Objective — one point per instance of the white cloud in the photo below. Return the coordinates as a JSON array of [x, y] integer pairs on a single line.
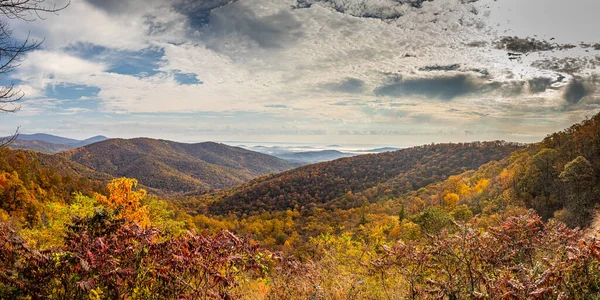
[[82, 22]]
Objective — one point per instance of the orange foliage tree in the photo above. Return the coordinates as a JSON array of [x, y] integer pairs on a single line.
[[124, 198]]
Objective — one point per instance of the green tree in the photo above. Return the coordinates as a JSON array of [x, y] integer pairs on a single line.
[[402, 215], [543, 169], [433, 219], [578, 181]]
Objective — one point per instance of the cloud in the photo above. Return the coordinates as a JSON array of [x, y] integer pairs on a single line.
[[82, 22], [274, 30], [576, 90], [569, 65], [199, 12], [125, 6], [452, 67], [347, 85], [539, 84], [42, 68], [526, 45], [276, 106], [437, 87], [378, 9]]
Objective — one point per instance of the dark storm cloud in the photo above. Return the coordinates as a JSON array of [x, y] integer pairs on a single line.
[[199, 12], [271, 31], [576, 90], [216, 18], [448, 87], [539, 84], [348, 85], [442, 87]]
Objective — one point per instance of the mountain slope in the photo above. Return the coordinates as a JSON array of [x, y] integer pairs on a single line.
[[39, 146], [51, 144], [48, 138], [27, 175], [94, 139], [176, 167], [558, 177], [355, 181]]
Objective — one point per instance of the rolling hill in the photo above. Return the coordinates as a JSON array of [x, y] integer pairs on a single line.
[[167, 166], [39, 146], [356, 181], [51, 144]]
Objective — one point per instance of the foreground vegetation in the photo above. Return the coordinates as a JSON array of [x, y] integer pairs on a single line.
[[127, 250]]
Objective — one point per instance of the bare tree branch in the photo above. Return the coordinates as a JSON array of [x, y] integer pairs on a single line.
[[28, 10], [12, 52], [8, 140]]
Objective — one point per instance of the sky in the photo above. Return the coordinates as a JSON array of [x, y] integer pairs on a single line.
[[369, 72]]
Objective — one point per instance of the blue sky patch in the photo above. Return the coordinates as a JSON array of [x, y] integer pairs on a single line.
[[187, 78], [143, 63], [67, 91]]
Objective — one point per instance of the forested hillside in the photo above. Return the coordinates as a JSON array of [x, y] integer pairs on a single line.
[[168, 166], [39, 146], [558, 177], [29, 179], [356, 181]]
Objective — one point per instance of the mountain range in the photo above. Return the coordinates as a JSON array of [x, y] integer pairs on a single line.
[[48, 143], [166, 166], [305, 155], [52, 144]]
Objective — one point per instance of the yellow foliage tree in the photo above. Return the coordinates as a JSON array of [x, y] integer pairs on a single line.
[[451, 200], [123, 197], [482, 185]]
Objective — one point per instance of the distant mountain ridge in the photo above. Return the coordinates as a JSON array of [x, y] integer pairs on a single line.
[[310, 155], [51, 144], [48, 138], [168, 166]]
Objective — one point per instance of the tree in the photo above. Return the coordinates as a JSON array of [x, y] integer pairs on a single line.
[[543, 169], [451, 199], [127, 201], [12, 51], [433, 219], [578, 178], [402, 215]]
